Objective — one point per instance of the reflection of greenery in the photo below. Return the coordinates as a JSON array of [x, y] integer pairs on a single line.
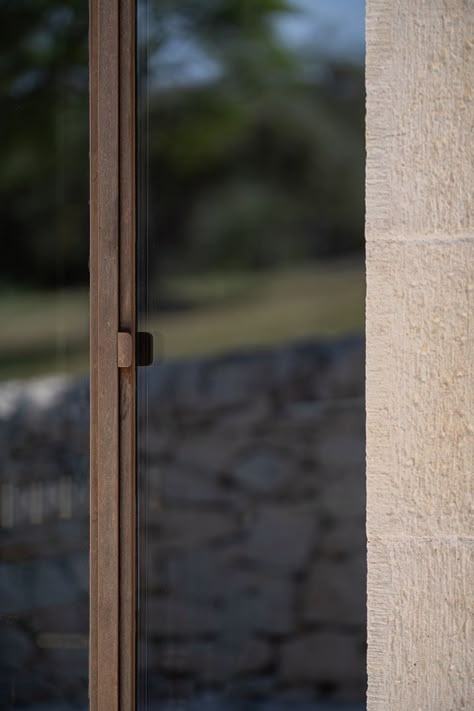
[[278, 307], [44, 135], [224, 311], [43, 332], [258, 164], [262, 163]]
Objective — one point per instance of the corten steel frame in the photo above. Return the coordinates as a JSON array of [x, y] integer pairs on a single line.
[[112, 410]]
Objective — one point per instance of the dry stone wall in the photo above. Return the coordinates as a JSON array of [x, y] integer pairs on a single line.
[[253, 563]]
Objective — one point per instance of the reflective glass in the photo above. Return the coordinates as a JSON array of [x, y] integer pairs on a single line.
[[251, 419], [44, 432]]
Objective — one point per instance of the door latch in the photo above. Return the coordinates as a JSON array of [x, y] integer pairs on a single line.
[[143, 349]]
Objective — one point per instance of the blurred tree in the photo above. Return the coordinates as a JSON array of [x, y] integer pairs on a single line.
[[260, 161], [255, 153], [44, 140]]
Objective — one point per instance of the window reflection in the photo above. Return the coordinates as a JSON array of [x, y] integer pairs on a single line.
[[44, 500], [251, 422]]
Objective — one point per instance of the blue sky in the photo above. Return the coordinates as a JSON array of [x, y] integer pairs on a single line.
[[336, 26]]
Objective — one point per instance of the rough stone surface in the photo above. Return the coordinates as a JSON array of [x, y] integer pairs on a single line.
[[420, 367], [422, 611], [420, 118], [421, 411]]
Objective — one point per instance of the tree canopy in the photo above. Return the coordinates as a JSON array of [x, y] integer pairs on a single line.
[[255, 151]]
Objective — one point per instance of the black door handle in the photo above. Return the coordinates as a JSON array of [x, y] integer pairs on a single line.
[[144, 348]]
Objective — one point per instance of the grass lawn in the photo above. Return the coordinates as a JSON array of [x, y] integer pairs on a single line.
[[43, 332], [47, 332]]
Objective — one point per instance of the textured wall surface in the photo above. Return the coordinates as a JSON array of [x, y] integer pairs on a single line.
[[255, 558], [420, 354]]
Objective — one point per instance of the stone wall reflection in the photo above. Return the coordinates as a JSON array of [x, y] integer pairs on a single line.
[[44, 540], [254, 563], [255, 553]]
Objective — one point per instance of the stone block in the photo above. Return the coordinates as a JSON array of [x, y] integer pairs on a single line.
[[168, 617], [420, 631], [184, 486], [420, 122], [257, 604], [344, 377], [321, 658], [40, 583], [261, 470], [194, 528], [214, 662], [67, 619], [343, 536], [420, 385], [199, 575], [339, 443], [344, 498], [282, 537], [16, 646], [234, 379], [246, 418], [336, 592], [211, 455]]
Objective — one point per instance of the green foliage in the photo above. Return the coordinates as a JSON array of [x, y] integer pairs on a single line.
[[257, 163], [244, 178], [44, 140]]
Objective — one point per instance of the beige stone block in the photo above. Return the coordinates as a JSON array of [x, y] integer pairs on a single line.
[[420, 625], [420, 117], [420, 389]]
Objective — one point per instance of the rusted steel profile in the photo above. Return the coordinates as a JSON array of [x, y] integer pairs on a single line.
[[112, 310]]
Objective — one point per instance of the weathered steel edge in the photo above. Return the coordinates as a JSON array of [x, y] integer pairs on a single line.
[[93, 257], [127, 322], [112, 408]]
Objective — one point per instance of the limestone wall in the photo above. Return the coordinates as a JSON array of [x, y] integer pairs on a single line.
[[253, 567], [420, 394]]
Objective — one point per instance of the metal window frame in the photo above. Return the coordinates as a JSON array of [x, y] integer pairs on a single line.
[[112, 389]]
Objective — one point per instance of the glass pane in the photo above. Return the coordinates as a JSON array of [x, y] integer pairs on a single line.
[[44, 500], [251, 419]]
